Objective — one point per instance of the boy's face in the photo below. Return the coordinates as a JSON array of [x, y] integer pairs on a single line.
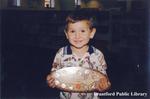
[[79, 33]]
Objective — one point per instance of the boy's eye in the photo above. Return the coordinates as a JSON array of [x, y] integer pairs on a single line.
[[82, 30], [72, 31]]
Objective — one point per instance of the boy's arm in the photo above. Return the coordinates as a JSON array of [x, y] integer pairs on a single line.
[[55, 66], [57, 60], [104, 83]]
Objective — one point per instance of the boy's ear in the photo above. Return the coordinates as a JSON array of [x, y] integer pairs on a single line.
[[66, 34], [93, 33]]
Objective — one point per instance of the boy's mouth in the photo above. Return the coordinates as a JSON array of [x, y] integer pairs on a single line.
[[78, 41]]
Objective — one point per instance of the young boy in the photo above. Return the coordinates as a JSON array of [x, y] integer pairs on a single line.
[[79, 30]]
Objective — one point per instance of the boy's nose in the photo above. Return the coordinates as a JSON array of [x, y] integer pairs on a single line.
[[77, 35]]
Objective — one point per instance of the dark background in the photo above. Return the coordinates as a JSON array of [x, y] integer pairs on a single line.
[[30, 39]]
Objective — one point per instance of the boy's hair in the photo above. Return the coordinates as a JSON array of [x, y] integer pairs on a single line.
[[77, 16]]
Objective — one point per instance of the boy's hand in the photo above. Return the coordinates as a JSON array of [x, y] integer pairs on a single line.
[[50, 81], [103, 84]]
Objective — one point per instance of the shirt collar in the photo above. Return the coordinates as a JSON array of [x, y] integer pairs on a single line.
[[90, 50]]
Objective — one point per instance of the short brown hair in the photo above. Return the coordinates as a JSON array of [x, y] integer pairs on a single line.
[[77, 16]]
